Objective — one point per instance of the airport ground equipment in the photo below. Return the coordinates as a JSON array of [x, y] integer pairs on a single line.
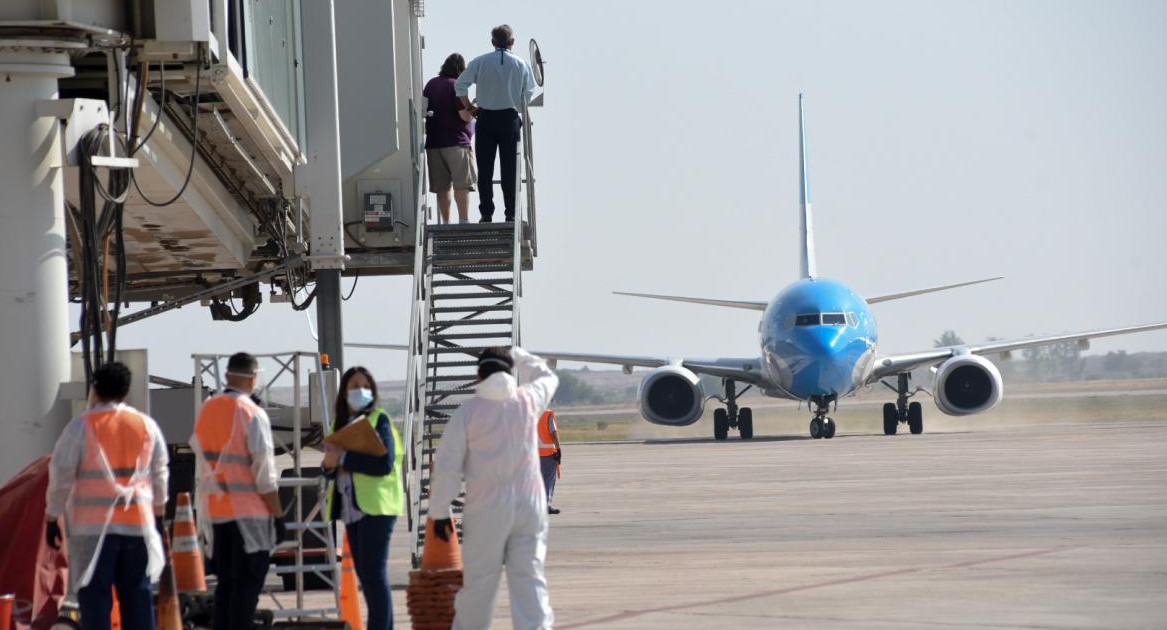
[[216, 148], [309, 526], [467, 292]]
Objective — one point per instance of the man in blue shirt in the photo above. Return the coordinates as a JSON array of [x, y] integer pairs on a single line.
[[505, 83]]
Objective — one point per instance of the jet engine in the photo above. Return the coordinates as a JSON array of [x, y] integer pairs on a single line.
[[672, 396], [967, 384]]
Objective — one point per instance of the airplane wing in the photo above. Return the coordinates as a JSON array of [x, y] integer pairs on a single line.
[[749, 305], [747, 370], [896, 296], [888, 365]]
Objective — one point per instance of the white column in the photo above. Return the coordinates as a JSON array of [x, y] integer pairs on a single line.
[[34, 310]]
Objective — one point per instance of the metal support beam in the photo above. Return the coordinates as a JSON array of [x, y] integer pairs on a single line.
[[328, 312]]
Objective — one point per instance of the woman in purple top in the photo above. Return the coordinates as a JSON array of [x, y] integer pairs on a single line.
[[449, 128]]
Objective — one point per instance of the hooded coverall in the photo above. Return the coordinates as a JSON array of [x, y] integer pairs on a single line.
[[491, 440]]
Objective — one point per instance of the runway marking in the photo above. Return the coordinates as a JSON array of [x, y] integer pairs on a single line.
[[630, 614]]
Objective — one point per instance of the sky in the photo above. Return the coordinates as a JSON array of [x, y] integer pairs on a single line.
[[949, 141]]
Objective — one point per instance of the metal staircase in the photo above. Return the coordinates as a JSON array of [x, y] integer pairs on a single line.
[[467, 292]]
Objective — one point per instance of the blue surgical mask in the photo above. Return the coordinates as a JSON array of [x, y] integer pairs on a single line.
[[359, 398]]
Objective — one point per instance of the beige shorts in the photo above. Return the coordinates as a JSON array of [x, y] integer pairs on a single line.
[[451, 166]]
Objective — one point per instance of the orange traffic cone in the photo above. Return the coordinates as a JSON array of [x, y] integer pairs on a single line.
[[169, 616], [350, 603], [431, 591], [186, 556], [439, 554]]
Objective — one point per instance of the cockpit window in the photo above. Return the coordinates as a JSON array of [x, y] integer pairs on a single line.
[[852, 320], [807, 319], [834, 319]]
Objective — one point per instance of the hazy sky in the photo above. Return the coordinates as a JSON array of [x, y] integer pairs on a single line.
[[948, 141]]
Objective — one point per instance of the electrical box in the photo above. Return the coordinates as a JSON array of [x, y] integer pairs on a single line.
[[378, 212], [182, 20]]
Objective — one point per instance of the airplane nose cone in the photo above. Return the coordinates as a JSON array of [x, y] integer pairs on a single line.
[[821, 342]]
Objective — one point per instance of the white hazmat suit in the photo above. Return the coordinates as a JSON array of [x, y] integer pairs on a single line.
[[491, 441]]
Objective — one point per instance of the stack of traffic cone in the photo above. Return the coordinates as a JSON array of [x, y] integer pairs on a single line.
[[187, 558], [350, 603], [432, 588]]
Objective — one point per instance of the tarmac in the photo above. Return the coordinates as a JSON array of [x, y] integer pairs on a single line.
[[1054, 526]]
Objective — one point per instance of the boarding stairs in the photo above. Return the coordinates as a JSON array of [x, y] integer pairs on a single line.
[[467, 294]]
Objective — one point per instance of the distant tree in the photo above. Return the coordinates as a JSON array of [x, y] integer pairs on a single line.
[[573, 390], [949, 338], [1059, 361], [1117, 363]]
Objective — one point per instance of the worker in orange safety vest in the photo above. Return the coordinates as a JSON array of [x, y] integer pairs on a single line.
[[107, 477], [239, 512], [550, 455]]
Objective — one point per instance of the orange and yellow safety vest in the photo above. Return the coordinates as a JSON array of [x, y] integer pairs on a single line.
[[546, 442]]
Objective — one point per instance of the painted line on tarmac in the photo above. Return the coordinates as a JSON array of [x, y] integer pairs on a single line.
[[630, 614]]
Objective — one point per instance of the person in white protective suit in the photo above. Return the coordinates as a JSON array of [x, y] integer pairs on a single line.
[[107, 477], [491, 440]]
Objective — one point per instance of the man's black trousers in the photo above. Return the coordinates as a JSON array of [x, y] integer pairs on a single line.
[[241, 577], [497, 130]]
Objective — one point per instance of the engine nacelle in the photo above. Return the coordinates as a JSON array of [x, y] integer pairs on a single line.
[[967, 384], [671, 396]]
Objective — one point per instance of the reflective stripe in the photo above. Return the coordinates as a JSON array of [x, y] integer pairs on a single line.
[[227, 458], [117, 472], [184, 544], [239, 487], [184, 513], [107, 501], [546, 445]]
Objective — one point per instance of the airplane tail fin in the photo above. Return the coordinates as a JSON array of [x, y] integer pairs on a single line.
[[807, 225]]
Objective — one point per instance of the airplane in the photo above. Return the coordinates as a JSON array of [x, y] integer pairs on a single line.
[[818, 345]]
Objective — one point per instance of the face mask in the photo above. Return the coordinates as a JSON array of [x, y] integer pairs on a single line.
[[359, 398]]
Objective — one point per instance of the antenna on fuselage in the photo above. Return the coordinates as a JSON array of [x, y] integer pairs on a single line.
[[806, 224]]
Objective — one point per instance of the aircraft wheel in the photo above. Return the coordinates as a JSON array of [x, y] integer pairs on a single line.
[[817, 429], [916, 418], [745, 423], [829, 429], [889, 419], [720, 424]]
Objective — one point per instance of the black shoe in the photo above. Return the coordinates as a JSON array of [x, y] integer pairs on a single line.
[[552, 510], [485, 220]]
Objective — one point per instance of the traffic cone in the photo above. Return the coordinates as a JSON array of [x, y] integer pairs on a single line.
[[169, 616], [432, 588], [186, 556], [350, 603]]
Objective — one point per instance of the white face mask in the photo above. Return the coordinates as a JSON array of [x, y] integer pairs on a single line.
[[359, 398]]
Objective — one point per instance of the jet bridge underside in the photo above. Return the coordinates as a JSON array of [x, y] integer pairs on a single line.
[[234, 214]]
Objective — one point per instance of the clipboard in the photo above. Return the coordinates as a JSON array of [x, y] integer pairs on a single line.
[[358, 436]]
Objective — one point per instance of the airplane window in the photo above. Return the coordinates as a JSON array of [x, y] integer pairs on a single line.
[[852, 320], [807, 319], [788, 322], [834, 319]]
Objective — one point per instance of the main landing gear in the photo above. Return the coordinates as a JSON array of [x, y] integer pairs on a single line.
[[732, 416], [821, 427], [901, 411]]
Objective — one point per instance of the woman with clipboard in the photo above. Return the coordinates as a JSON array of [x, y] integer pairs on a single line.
[[366, 491]]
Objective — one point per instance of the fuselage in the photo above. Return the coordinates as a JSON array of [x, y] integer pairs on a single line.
[[818, 340]]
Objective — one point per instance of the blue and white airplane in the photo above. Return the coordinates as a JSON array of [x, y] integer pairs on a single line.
[[818, 344]]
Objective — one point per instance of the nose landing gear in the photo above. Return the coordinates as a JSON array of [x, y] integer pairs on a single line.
[[732, 416], [821, 426]]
